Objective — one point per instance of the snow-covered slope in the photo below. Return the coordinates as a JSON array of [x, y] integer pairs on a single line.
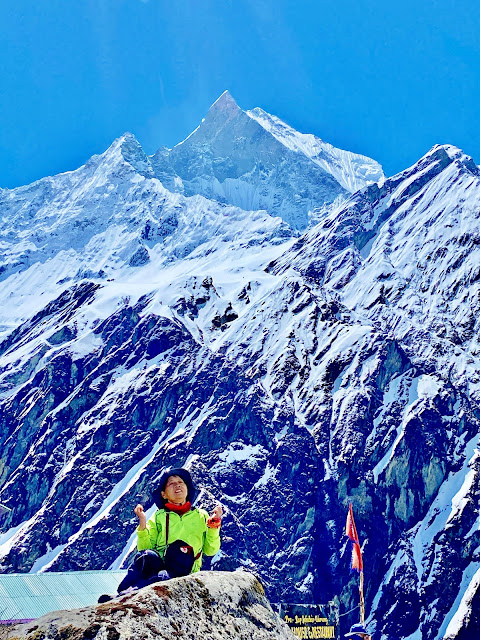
[[406, 255], [143, 327], [351, 170], [404, 258]]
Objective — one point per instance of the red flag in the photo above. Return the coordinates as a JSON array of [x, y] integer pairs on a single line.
[[351, 532]]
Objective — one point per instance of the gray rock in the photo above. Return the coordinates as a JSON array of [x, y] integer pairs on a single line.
[[210, 605], [140, 257]]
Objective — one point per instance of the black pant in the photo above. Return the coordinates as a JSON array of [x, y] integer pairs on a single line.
[[144, 570]]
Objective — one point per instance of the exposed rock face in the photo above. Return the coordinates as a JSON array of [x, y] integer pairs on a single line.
[[203, 606], [139, 258]]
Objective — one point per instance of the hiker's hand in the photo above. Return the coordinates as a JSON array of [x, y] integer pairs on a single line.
[[215, 520], [142, 518]]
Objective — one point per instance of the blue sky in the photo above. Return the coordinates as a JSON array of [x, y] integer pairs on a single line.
[[388, 82]]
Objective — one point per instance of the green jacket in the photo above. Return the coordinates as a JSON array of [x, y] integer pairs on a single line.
[[191, 528]]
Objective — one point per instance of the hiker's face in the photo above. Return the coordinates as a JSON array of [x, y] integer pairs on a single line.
[[175, 490]]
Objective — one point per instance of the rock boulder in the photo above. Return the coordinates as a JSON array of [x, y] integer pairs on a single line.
[[207, 605]]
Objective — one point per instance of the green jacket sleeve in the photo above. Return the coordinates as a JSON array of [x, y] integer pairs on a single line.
[[147, 538], [211, 544]]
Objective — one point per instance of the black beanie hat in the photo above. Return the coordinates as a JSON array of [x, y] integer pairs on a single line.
[[181, 473]]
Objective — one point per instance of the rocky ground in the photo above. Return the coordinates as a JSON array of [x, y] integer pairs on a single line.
[[204, 606]]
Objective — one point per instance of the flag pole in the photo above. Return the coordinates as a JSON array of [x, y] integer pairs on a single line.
[[357, 560], [362, 600]]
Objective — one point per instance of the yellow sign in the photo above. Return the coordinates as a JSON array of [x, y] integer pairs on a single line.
[[311, 621]]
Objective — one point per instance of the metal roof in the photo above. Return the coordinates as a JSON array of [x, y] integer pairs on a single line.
[[26, 596]]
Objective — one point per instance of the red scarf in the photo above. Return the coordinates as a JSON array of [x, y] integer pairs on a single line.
[[178, 508]]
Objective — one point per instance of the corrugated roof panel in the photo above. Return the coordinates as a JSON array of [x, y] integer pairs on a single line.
[[9, 609], [104, 582], [34, 607], [70, 584], [54, 586], [70, 602], [28, 596], [91, 582], [35, 586], [15, 586]]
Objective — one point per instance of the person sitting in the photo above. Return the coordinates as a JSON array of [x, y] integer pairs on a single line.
[[171, 544]]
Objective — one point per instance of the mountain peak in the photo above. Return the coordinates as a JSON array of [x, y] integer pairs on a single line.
[[222, 111], [460, 158], [225, 103], [122, 144], [127, 149], [254, 160], [439, 157]]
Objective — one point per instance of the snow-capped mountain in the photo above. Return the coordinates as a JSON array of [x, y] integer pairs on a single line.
[[109, 214], [145, 323], [255, 161]]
